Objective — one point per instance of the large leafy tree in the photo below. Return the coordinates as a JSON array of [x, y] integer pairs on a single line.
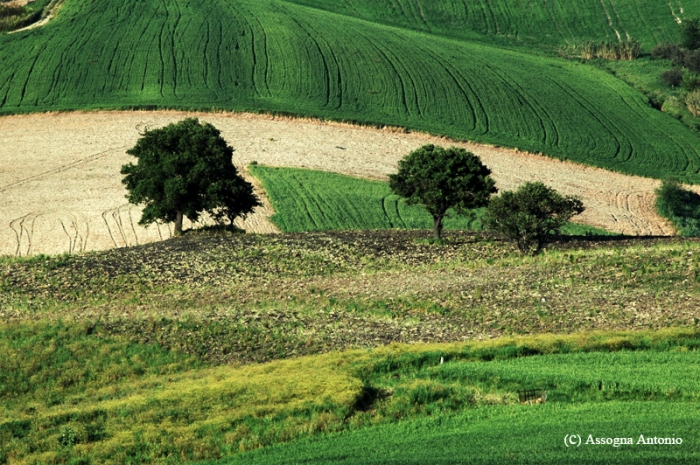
[[442, 179], [530, 214], [185, 169]]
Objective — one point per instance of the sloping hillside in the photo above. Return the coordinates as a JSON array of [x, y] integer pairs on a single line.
[[278, 56], [529, 22]]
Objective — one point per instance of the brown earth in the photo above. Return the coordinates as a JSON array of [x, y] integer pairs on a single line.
[[62, 191]]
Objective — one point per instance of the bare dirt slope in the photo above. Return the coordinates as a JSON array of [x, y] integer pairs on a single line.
[[61, 188]]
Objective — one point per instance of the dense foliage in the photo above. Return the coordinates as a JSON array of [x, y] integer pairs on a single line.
[[530, 214], [690, 33], [680, 206], [443, 179], [185, 169], [266, 55]]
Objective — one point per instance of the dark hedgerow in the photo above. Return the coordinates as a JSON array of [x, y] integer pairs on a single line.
[[672, 77]]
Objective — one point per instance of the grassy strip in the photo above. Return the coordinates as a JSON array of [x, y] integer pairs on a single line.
[[309, 200], [680, 206], [95, 398], [513, 435]]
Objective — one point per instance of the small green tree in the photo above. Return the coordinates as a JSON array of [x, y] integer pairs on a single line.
[[185, 169], [530, 214], [441, 179]]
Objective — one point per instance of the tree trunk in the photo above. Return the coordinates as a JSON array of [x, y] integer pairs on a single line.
[[178, 224], [437, 226]]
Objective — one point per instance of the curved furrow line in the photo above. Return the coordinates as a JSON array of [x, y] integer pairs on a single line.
[[452, 73], [327, 71], [595, 145], [598, 116], [515, 96], [338, 69], [266, 70], [8, 86], [403, 10], [139, 40], [309, 202], [469, 90], [385, 52], [491, 15], [641, 18], [610, 125], [205, 56], [513, 28], [218, 52], [246, 66], [389, 61], [520, 91], [386, 213], [63, 60], [556, 23], [422, 15], [173, 45], [686, 149], [254, 57], [160, 47], [619, 20], [29, 74]]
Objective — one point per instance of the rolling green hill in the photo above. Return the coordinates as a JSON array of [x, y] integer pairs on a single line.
[[529, 22], [277, 56]]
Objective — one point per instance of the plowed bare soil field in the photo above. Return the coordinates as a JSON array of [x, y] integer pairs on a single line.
[[61, 188]]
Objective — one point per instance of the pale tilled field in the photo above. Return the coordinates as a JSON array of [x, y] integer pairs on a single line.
[[61, 188]]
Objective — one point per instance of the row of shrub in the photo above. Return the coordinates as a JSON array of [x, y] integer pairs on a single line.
[[627, 50], [679, 56], [686, 60]]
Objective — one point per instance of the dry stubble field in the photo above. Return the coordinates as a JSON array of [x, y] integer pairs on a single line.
[[62, 191]]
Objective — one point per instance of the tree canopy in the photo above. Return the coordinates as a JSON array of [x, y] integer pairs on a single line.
[[690, 33], [442, 179], [184, 169], [530, 214]]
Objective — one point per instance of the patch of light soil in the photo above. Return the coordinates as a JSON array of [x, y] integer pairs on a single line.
[[62, 191]]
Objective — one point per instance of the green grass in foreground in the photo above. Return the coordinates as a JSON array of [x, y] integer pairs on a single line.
[[148, 354], [512, 435], [275, 56], [71, 393], [309, 200]]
